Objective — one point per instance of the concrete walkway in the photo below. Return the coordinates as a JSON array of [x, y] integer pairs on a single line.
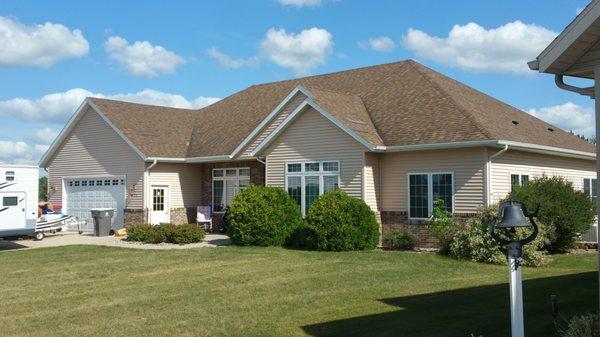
[[72, 238]]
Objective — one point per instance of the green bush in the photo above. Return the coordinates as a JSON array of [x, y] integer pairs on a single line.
[[338, 222], [565, 211], [581, 326], [262, 216], [169, 233], [473, 241], [401, 240], [442, 225]]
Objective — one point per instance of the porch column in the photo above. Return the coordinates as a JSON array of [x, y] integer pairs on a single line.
[[597, 106]]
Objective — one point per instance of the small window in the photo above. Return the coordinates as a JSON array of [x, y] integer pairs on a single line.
[[517, 180], [217, 173], [590, 188], [10, 201], [115, 182], [245, 172], [231, 172], [122, 182], [10, 175], [76, 183], [106, 182], [84, 183], [70, 183], [98, 182], [92, 182], [311, 167], [294, 167], [330, 166]]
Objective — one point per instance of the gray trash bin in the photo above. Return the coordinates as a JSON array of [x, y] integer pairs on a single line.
[[102, 221]]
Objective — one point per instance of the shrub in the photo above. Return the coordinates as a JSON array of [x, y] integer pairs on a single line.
[[473, 241], [581, 326], [401, 240], [338, 222], [170, 233], [565, 211], [442, 225], [262, 216]]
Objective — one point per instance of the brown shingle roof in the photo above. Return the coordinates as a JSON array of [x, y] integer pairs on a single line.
[[401, 103]]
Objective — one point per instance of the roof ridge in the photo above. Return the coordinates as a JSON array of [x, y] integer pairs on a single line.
[[471, 118], [335, 72], [136, 103]]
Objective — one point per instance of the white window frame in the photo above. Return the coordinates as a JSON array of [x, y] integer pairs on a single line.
[[223, 178], [520, 179], [9, 176], [590, 195], [303, 173], [429, 192]]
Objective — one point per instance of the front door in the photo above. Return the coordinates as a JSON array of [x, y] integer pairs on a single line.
[[160, 207], [13, 207]]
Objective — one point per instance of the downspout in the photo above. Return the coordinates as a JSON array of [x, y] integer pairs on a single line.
[[147, 189], [558, 79], [488, 177]]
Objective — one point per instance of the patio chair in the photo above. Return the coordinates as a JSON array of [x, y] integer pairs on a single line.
[[204, 217]]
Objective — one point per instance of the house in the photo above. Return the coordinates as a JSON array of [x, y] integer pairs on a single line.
[[396, 135], [575, 53]]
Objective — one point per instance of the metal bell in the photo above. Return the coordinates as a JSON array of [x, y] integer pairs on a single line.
[[511, 213]]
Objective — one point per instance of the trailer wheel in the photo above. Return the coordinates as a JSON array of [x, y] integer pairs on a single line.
[[38, 236]]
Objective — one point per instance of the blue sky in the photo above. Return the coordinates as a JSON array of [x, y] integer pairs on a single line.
[[188, 54]]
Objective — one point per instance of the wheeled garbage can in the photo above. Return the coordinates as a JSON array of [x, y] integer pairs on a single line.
[[102, 221]]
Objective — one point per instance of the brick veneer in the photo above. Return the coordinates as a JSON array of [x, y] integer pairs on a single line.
[[134, 216], [183, 215], [391, 221], [257, 176]]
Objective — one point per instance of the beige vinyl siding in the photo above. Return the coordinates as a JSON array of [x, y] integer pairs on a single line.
[[535, 165], [466, 164], [94, 149], [184, 181], [371, 173], [313, 137], [285, 112]]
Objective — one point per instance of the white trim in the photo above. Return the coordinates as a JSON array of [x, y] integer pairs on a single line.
[[303, 174], [429, 192], [71, 125], [271, 116], [225, 178], [289, 119], [167, 203]]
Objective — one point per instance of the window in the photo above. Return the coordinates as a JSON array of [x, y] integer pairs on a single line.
[[76, 183], [10, 201], [92, 182], [518, 180], [226, 184], [590, 187], [84, 183], [10, 175], [98, 182], [305, 182], [158, 199], [424, 188]]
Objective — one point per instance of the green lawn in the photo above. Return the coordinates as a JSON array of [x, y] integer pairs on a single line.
[[101, 291]]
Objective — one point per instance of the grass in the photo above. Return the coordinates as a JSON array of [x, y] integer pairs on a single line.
[[102, 291]]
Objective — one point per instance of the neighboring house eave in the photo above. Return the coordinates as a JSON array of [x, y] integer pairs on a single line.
[[66, 131]]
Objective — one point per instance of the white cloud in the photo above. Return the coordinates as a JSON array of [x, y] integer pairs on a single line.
[[229, 62], [45, 135], [381, 44], [58, 107], [472, 47], [300, 52], [20, 152], [569, 117], [142, 58], [301, 3], [38, 45]]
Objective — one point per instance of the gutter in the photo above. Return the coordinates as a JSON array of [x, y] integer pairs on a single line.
[[559, 80]]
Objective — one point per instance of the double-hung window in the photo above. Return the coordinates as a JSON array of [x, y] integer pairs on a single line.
[[517, 180], [227, 182], [306, 181], [425, 188], [10, 176], [590, 188]]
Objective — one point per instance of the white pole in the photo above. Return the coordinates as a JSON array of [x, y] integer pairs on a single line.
[[516, 297], [596, 97]]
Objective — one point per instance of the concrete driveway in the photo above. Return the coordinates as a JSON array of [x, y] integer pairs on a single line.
[[72, 238]]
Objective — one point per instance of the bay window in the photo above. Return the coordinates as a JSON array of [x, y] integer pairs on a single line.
[[425, 188], [227, 182], [306, 181]]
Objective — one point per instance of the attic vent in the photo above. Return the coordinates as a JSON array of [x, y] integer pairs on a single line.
[[358, 121], [515, 122], [551, 129]]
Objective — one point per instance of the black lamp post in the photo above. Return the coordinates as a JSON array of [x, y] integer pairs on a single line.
[[513, 215]]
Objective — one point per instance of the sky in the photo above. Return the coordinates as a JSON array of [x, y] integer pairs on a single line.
[[192, 53]]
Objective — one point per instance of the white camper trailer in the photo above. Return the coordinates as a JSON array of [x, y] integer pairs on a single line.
[[18, 199]]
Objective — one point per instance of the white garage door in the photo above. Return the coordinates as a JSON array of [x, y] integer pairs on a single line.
[[84, 194]]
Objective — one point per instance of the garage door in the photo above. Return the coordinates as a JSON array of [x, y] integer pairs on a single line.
[[82, 195]]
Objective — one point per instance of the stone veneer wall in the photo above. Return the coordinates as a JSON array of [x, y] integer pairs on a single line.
[[183, 215], [391, 221], [135, 216]]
